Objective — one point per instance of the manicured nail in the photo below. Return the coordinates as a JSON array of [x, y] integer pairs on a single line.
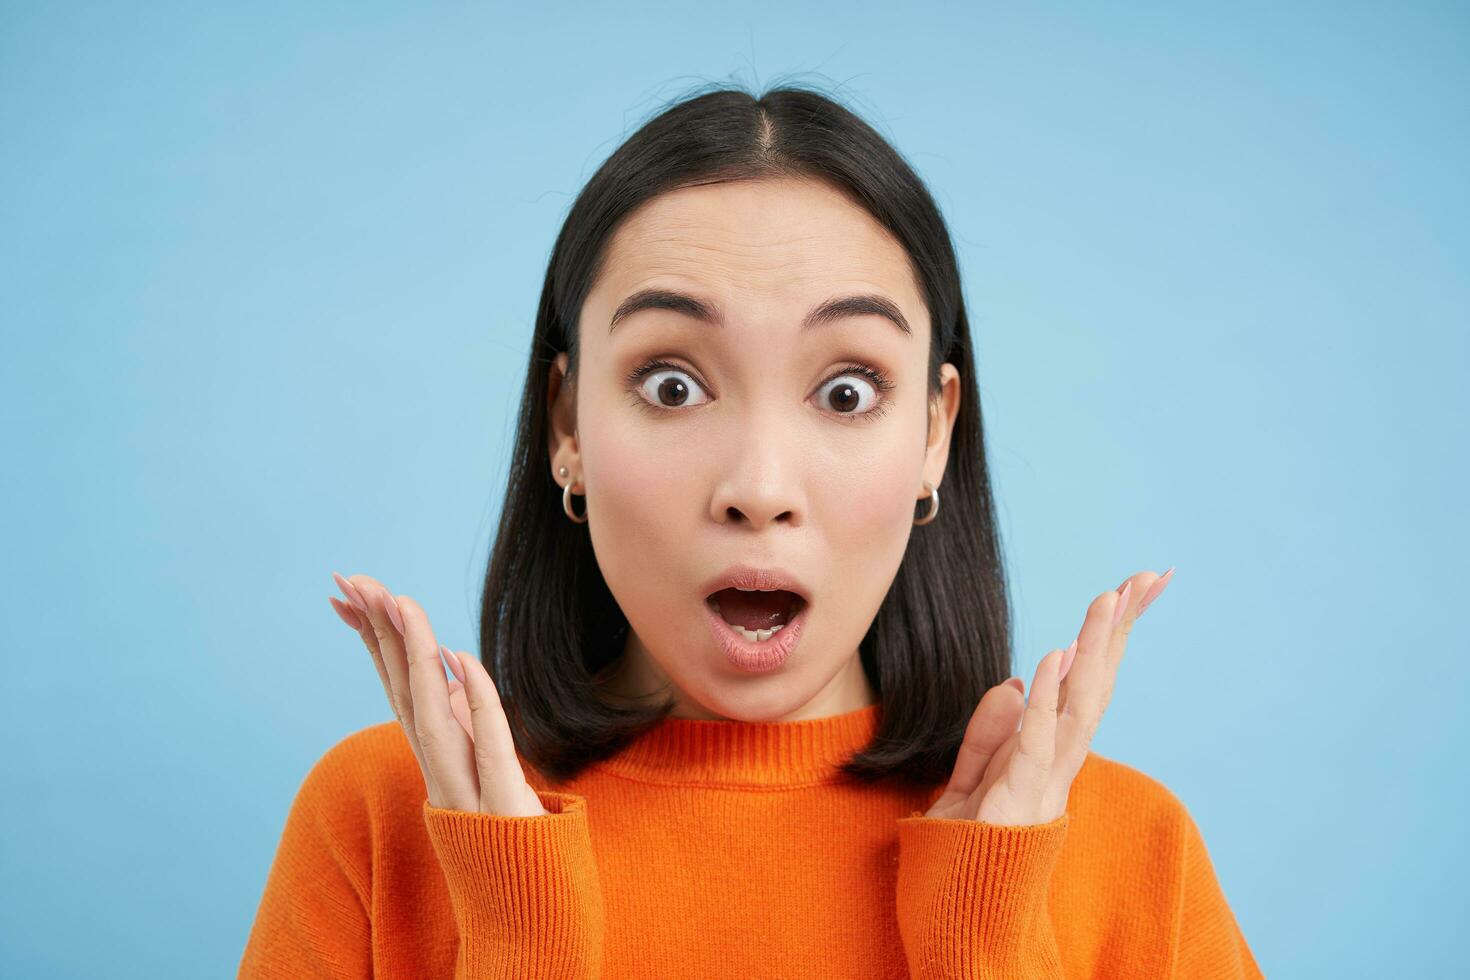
[[390, 606], [1156, 590], [453, 663], [345, 611], [350, 591], [1122, 603], [1067, 659]]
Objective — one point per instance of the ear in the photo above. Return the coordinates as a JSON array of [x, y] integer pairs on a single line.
[[561, 408], [943, 409]]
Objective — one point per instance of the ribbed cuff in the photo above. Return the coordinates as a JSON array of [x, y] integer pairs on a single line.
[[525, 890], [971, 897]]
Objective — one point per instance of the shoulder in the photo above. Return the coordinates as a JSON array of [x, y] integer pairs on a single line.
[[365, 775], [365, 752], [376, 767], [1137, 842], [1132, 812], [1105, 778]]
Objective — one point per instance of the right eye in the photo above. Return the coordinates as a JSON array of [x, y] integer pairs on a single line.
[[666, 386]]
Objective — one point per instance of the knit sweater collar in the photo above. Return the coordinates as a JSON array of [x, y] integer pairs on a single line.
[[705, 752]]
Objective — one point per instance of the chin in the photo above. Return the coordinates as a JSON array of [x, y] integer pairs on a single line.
[[752, 699]]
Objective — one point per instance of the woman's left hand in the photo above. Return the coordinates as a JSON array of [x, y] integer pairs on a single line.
[[1021, 777]]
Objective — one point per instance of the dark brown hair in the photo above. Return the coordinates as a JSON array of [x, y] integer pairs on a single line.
[[548, 622]]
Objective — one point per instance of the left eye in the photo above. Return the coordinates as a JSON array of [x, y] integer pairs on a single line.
[[844, 395], [666, 389]]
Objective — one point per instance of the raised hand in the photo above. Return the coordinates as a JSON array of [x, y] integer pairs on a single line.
[[1007, 776], [465, 751]]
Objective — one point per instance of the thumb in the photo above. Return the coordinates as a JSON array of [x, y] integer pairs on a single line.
[[993, 722]]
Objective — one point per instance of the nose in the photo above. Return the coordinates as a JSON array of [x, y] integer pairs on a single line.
[[760, 479]]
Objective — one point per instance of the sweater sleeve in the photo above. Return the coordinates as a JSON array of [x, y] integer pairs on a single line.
[[525, 890], [971, 898], [1208, 943]]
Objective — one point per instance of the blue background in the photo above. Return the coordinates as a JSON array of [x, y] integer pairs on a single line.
[[269, 273]]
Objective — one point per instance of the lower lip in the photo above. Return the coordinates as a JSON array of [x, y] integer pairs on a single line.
[[756, 657]]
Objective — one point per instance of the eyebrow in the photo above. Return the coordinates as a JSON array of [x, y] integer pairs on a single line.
[[823, 313]]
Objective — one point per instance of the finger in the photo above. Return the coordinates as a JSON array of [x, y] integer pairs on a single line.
[[345, 612], [1065, 693], [447, 748], [1088, 681], [390, 650], [1103, 631], [460, 706], [992, 722], [1071, 655], [370, 640], [1036, 745], [1115, 645], [350, 591], [1155, 590], [369, 637], [1068, 656], [500, 774], [375, 633], [1136, 586]]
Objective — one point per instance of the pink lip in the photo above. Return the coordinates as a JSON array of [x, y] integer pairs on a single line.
[[757, 658], [751, 577]]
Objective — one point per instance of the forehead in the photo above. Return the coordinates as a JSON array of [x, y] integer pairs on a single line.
[[744, 242]]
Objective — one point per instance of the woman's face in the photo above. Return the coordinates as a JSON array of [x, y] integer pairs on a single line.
[[750, 440]]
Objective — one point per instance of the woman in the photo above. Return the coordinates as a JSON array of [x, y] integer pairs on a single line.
[[746, 710]]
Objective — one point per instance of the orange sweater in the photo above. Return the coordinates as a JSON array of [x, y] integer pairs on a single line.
[[733, 849]]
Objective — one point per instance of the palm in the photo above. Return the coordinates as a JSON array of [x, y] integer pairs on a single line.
[[1018, 757], [458, 732], [990, 800]]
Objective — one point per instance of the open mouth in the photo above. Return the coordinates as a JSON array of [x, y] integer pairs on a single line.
[[756, 615]]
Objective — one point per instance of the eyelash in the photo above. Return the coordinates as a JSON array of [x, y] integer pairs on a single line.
[[878, 379]]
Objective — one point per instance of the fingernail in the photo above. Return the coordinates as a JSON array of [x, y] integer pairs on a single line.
[[452, 662], [390, 606], [350, 591], [343, 610], [1122, 603], [1156, 590], [1067, 659], [1017, 683]]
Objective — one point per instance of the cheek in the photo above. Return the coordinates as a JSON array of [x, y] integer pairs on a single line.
[[640, 508], [868, 488], [642, 482], [873, 509]]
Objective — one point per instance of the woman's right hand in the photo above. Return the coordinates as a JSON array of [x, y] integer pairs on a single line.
[[470, 767]]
